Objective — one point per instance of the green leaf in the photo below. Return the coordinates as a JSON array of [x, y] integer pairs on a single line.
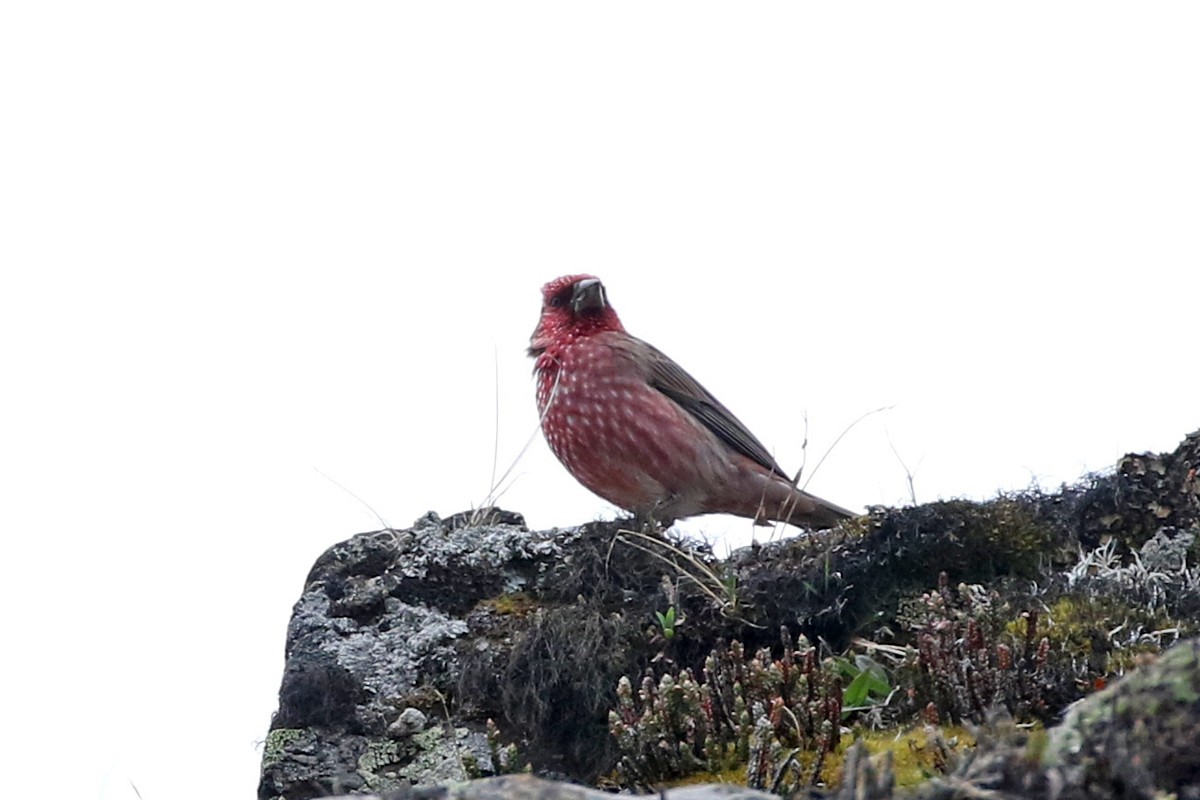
[[869, 681], [667, 622]]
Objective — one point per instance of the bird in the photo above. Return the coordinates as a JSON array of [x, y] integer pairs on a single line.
[[636, 429]]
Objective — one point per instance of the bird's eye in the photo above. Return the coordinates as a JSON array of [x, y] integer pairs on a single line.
[[558, 301]]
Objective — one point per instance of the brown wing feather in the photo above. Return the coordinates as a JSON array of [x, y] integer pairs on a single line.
[[672, 380]]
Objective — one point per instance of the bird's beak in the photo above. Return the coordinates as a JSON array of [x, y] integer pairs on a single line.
[[588, 296]]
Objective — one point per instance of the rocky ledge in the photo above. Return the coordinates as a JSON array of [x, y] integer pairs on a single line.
[[1035, 645]]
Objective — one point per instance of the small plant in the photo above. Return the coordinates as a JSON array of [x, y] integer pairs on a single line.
[[771, 720], [692, 566], [868, 683], [666, 622], [504, 756], [964, 664]]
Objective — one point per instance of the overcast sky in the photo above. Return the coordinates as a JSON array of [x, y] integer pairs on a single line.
[[262, 259]]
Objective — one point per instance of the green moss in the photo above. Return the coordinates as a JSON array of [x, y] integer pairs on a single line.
[[429, 738], [1080, 627], [1007, 532], [386, 764], [276, 745], [378, 756]]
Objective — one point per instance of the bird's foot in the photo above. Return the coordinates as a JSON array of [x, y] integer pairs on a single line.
[[647, 522]]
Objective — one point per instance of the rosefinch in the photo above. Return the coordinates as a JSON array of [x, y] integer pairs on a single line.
[[632, 426]]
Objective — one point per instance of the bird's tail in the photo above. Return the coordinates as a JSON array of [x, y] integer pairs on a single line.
[[810, 511]]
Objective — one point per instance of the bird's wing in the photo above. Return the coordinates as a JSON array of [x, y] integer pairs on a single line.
[[672, 380]]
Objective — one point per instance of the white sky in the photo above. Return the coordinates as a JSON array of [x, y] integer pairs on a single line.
[[246, 245]]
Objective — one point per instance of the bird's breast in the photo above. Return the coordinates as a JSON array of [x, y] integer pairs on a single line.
[[584, 398], [620, 437]]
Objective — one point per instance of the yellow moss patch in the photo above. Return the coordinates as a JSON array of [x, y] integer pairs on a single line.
[[856, 528], [733, 775], [915, 753], [517, 604], [1074, 624]]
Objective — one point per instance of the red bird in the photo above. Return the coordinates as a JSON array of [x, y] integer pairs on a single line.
[[632, 426]]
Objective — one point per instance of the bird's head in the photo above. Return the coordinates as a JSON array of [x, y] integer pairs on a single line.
[[572, 306]]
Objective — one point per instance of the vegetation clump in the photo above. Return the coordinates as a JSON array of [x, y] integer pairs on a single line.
[[772, 720]]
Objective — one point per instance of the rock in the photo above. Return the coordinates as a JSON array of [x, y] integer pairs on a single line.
[[1138, 738], [525, 787], [373, 639], [410, 721], [456, 649]]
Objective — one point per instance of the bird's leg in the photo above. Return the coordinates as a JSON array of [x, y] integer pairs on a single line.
[[648, 522]]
